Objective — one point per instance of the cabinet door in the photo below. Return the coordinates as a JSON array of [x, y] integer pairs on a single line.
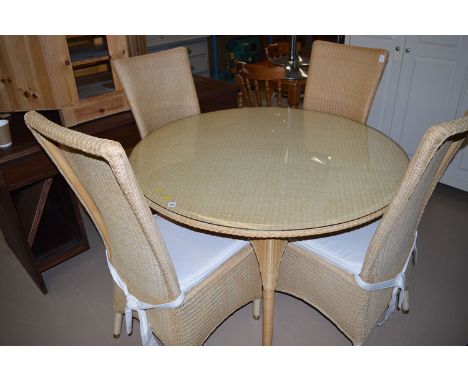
[[99, 92], [432, 80], [35, 73], [117, 49], [456, 174], [380, 116], [91, 55], [431, 83], [425, 82]]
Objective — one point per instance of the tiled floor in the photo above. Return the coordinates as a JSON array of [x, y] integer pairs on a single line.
[[78, 308]]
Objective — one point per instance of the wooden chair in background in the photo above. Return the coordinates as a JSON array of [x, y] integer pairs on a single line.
[[258, 85]]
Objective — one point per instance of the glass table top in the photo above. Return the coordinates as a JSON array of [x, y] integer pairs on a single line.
[[270, 169]]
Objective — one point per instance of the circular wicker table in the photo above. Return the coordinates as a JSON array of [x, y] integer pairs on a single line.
[[269, 175]]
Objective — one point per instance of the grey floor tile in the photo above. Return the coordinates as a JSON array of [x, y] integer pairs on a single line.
[[78, 308]]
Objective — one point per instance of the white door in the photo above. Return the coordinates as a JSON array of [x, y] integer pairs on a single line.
[[431, 87], [456, 174]]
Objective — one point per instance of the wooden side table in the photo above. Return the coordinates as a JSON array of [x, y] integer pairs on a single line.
[[295, 89]]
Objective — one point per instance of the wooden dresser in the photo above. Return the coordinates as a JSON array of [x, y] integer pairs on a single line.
[[197, 49], [72, 74], [39, 215]]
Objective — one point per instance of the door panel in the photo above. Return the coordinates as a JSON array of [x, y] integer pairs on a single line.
[[423, 99], [430, 86], [438, 41], [432, 89], [425, 82], [456, 174]]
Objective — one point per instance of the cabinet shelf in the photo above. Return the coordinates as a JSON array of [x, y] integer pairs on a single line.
[[87, 50], [90, 58], [95, 84], [89, 61]]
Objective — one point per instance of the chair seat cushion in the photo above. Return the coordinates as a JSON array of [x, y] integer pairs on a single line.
[[345, 250], [195, 255]]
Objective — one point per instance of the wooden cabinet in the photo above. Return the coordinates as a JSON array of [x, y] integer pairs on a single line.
[[197, 48], [72, 74], [39, 214], [425, 82]]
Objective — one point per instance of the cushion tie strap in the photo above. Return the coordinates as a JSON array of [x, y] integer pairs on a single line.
[[133, 304], [397, 283]]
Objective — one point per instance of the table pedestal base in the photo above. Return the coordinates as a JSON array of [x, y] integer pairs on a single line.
[[269, 253]]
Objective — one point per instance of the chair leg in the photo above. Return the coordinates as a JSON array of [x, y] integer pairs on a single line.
[[257, 304], [414, 255], [117, 324], [405, 303]]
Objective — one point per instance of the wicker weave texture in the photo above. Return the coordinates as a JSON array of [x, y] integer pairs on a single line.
[[235, 284], [103, 170], [394, 236], [99, 173], [269, 172], [159, 88], [203, 310], [334, 292], [343, 79]]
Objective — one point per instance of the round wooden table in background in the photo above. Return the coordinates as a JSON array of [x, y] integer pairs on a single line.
[[269, 175]]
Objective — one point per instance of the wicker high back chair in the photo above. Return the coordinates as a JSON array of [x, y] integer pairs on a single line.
[[353, 277], [159, 88], [279, 49], [258, 84], [343, 79], [181, 295]]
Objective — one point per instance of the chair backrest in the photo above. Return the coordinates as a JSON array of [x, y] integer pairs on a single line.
[[279, 49], [159, 88], [99, 173], [343, 79], [258, 83], [394, 237]]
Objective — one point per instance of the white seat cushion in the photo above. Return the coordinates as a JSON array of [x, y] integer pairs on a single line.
[[195, 255], [346, 250]]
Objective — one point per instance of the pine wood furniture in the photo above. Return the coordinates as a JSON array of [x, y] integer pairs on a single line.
[[258, 84], [28, 175], [72, 74], [294, 88], [269, 175]]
